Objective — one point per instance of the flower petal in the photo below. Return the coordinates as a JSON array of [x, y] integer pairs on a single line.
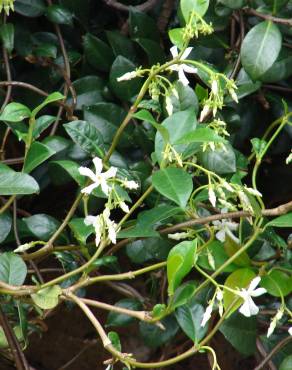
[[88, 189], [104, 186], [220, 235], [98, 165], [254, 283], [182, 77], [258, 292], [186, 53], [111, 172], [90, 220], [84, 171], [174, 51], [189, 69]]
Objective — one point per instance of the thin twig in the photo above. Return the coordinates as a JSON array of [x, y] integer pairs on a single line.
[[268, 17], [149, 4]]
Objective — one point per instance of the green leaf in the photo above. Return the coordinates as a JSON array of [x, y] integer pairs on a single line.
[[260, 48], [121, 45], [221, 161], [88, 90], [37, 154], [238, 279], [3, 341], [71, 167], [119, 319], [238, 327], [124, 90], [281, 69], [231, 247], [180, 261], [153, 50], [182, 294], [86, 136], [189, 318], [59, 15], [98, 54], [47, 298], [286, 364], [154, 336], [150, 249], [233, 4], [145, 115], [187, 98], [277, 283], [12, 269], [80, 230], [176, 37], [141, 25], [41, 124], [107, 117], [42, 226], [15, 112], [174, 183], [55, 96], [281, 221], [149, 220], [115, 339], [7, 36], [14, 183], [5, 226], [30, 8], [201, 135], [200, 7], [177, 125]]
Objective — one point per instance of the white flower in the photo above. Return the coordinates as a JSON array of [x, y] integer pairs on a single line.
[[97, 223], [207, 314], [233, 95], [98, 178], [225, 227], [182, 68], [219, 297], [101, 224], [178, 236], [124, 206], [204, 112], [252, 191], [212, 196], [127, 76], [168, 105], [214, 87], [132, 185], [274, 321], [290, 330], [249, 308]]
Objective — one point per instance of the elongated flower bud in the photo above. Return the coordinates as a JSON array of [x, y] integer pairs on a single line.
[[7, 5]]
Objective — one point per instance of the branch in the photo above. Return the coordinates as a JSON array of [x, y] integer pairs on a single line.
[[268, 17]]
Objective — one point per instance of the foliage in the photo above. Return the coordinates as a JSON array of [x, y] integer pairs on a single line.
[[147, 128]]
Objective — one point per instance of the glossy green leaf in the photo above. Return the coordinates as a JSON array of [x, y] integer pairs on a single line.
[[12, 269], [152, 49], [221, 161], [59, 14], [42, 226], [189, 317], [142, 25], [71, 167], [41, 124], [182, 295], [233, 4], [16, 183], [88, 90], [15, 112], [47, 298], [115, 339], [281, 221], [150, 249], [260, 48], [98, 54], [186, 98], [7, 36], [30, 8], [86, 136], [286, 364], [200, 135], [154, 336], [119, 319], [174, 183], [124, 90], [237, 327], [121, 45], [3, 341], [238, 279], [231, 247], [80, 230], [5, 226], [198, 6], [52, 98], [180, 261], [37, 154], [277, 283]]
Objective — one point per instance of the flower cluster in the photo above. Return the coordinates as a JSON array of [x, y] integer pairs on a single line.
[[102, 223], [195, 26], [7, 5], [181, 68]]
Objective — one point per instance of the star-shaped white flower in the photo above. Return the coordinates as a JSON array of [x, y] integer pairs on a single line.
[[182, 68], [102, 224], [249, 308], [98, 178], [225, 227]]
